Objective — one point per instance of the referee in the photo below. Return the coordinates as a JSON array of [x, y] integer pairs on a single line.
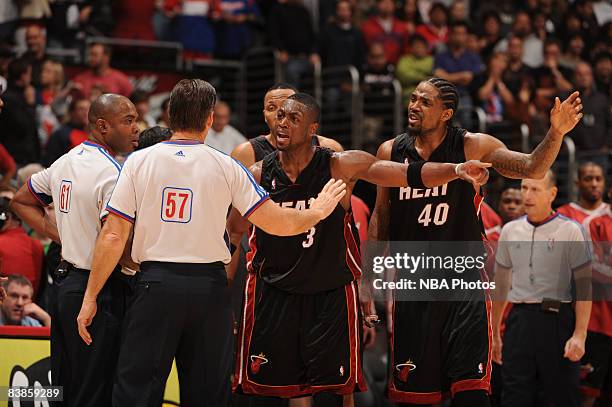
[[79, 184], [175, 195], [541, 257]]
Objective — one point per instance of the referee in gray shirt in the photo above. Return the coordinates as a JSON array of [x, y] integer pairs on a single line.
[[541, 259], [175, 196]]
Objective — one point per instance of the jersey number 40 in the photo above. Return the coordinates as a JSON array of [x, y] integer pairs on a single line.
[[440, 214]]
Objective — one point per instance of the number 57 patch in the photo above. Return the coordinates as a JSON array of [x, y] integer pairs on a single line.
[[176, 205]]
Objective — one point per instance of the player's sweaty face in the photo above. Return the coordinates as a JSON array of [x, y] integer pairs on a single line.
[[424, 109], [292, 122], [272, 102], [124, 130]]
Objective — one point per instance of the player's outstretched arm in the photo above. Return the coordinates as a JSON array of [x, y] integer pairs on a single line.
[[563, 118], [109, 248], [273, 219], [354, 165]]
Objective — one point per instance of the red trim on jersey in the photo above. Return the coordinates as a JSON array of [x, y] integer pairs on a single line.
[[478, 200], [250, 255], [353, 256]]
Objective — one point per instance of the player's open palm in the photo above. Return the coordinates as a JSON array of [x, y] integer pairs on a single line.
[[474, 171], [328, 198], [565, 115]]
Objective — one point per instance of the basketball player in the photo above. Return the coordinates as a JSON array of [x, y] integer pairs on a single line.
[[442, 347], [301, 325]]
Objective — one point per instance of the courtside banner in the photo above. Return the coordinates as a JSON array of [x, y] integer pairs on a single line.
[[517, 271], [25, 364]]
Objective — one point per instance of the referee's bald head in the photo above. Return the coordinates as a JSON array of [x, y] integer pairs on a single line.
[[112, 121], [191, 106], [106, 107]]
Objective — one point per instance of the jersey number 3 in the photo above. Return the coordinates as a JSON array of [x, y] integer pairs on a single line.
[[439, 216], [176, 205], [309, 238]]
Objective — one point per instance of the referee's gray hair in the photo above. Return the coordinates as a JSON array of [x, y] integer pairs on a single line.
[[191, 103]]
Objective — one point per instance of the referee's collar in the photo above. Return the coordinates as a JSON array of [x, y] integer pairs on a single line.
[[94, 144], [182, 142], [546, 220]]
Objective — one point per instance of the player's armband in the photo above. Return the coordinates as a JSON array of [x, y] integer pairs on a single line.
[[415, 180]]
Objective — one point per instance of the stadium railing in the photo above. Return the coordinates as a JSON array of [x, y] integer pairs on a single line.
[[383, 112], [261, 70], [140, 54]]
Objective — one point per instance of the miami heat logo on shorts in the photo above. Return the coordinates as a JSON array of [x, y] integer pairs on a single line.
[[404, 369], [257, 361]]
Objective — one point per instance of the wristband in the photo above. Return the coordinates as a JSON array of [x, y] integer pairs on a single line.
[[414, 175], [457, 169]]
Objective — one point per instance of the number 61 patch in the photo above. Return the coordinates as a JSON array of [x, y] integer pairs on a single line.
[[176, 205]]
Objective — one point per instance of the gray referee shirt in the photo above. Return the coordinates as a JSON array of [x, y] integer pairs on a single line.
[[542, 257]]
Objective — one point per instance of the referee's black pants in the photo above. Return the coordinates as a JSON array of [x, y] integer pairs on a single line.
[[86, 372], [535, 373], [182, 311]]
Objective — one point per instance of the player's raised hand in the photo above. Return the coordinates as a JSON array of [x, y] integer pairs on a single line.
[[2, 292], [86, 316], [473, 171], [565, 115], [328, 198]]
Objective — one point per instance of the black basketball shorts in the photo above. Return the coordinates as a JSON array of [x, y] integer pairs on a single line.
[[292, 345]]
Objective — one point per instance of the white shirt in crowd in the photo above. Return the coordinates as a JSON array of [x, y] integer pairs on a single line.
[[177, 194], [225, 140], [542, 257], [79, 184]]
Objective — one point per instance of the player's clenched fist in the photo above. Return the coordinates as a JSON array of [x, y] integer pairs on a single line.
[[328, 198]]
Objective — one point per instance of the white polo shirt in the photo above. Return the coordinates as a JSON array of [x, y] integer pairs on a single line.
[[542, 257], [79, 184], [177, 194]]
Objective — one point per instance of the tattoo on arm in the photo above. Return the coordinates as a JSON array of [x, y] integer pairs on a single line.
[[514, 164]]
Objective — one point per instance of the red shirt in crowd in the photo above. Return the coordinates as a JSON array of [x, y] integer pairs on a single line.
[[7, 164], [434, 36], [20, 254], [113, 81], [134, 19], [394, 41], [491, 221], [574, 211], [600, 229]]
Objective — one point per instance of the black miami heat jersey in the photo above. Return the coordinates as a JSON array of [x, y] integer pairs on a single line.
[[445, 213], [262, 147], [324, 258]]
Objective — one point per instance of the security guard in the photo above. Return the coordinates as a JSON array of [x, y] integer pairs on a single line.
[[175, 195], [541, 258], [79, 184]]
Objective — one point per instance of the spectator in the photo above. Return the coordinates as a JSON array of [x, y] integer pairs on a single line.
[[603, 73], [9, 18], [546, 328], [340, 43], [222, 135], [386, 29], [574, 51], [233, 31], [18, 130], [414, 67], [552, 79], [164, 119], [378, 76], [292, 35], [532, 45], [593, 133], [70, 134], [141, 101], [492, 93], [572, 25], [491, 34], [585, 11], [459, 11], [411, 16], [18, 251], [591, 185], [378, 70], [101, 74], [518, 77], [8, 168], [459, 66], [194, 26], [134, 19], [50, 99], [436, 31], [36, 41], [18, 307]]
